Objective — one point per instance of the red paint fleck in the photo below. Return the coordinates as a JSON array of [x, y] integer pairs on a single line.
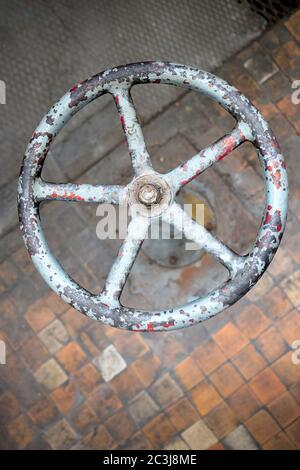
[[278, 222], [185, 167], [122, 121], [268, 218], [228, 145], [117, 100], [72, 196], [184, 182], [150, 327], [274, 143], [168, 324]]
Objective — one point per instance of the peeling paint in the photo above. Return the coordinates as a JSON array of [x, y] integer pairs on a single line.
[[244, 271]]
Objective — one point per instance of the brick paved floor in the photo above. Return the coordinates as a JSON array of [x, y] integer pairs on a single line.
[[230, 383]]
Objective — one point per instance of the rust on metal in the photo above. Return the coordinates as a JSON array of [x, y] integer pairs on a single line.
[[155, 191]]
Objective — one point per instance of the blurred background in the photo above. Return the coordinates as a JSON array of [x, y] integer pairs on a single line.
[[70, 383]]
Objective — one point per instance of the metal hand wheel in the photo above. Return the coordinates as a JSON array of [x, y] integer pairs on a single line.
[[155, 193]]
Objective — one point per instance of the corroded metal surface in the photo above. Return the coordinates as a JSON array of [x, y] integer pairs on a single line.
[[244, 271]]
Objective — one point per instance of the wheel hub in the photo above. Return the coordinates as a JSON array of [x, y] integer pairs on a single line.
[[149, 194]]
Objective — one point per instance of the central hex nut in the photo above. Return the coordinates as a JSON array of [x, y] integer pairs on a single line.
[[149, 194]]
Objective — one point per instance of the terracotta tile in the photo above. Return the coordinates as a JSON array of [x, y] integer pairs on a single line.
[[279, 442], [293, 431], [96, 334], [84, 418], [137, 442], [88, 344], [286, 370], [285, 261], [120, 426], [87, 378], [295, 391], [21, 431], [208, 356], [217, 446], [262, 426], [43, 412], [285, 409], [34, 353], [230, 339], [205, 397], [7, 309], [26, 388], [38, 443], [182, 414], [289, 326], [171, 352], [23, 261], [55, 303], [251, 321], [50, 374], [291, 112], [267, 386], [61, 435], [9, 406], [110, 363], [104, 401], [199, 436], [131, 348], [276, 304], [147, 369], [127, 385], [291, 287], [188, 373], [2, 288], [8, 273], [249, 362], [266, 282], [287, 57], [65, 397], [38, 315], [71, 357], [99, 439], [177, 444], [226, 379], [293, 25], [159, 431], [271, 344], [244, 402], [240, 439], [15, 329], [74, 322], [54, 336], [221, 420], [165, 390], [142, 408]]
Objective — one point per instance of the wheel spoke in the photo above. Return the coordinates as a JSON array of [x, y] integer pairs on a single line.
[[115, 281], [186, 172], [133, 131], [78, 192], [202, 237]]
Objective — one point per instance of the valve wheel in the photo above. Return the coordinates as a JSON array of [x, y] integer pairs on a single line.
[[155, 194]]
